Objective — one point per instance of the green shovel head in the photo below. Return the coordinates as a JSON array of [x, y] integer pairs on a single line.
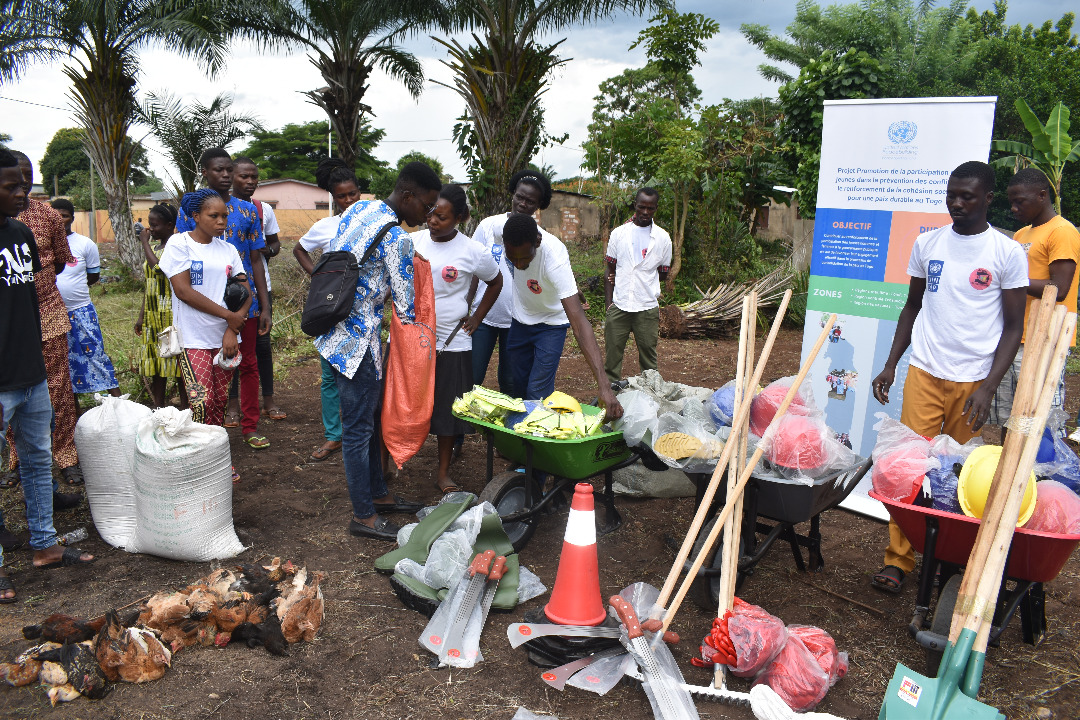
[[912, 696]]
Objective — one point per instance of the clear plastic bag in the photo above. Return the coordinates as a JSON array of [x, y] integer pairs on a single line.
[[803, 448], [822, 646], [605, 673], [765, 404], [529, 585], [757, 637], [1057, 510], [638, 420], [710, 443], [721, 405], [943, 481], [901, 460], [796, 676], [434, 636], [523, 714]]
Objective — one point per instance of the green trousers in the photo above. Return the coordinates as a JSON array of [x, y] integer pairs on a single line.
[[645, 324]]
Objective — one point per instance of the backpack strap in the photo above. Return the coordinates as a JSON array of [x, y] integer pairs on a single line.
[[375, 243]]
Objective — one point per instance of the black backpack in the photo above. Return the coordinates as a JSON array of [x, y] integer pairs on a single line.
[[333, 287]]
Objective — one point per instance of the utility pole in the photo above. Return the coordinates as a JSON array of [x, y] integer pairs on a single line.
[[330, 153]]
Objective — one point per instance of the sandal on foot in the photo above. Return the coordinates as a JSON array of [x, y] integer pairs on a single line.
[[323, 452], [275, 413], [258, 442], [890, 579], [5, 585], [72, 475], [10, 479], [446, 490], [235, 476], [72, 556], [232, 420]]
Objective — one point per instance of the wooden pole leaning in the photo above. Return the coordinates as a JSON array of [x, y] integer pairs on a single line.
[[710, 492], [729, 507]]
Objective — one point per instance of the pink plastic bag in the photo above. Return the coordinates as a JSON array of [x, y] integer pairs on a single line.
[[764, 405], [901, 460], [409, 393], [757, 637], [822, 646], [796, 676], [1057, 510]]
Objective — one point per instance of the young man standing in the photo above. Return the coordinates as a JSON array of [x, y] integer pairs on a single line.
[[963, 319], [352, 346], [1052, 245], [243, 231], [24, 389], [638, 258], [245, 181], [91, 369]]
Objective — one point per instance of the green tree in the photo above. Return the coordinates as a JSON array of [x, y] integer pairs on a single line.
[[673, 42], [382, 182], [295, 151], [99, 42], [185, 131], [4, 140], [501, 77], [66, 153], [1050, 150], [347, 40]]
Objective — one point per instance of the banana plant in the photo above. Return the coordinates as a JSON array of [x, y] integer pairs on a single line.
[[1050, 150]]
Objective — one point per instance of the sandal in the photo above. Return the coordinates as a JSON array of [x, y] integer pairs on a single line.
[[323, 452], [446, 490], [890, 579], [258, 442], [72, 475], [235, 475], [10, 479], [275, 413], [232, 420], [5, 585], [71, 556]]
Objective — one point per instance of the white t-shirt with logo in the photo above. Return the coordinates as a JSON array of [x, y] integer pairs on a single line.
[[639, 254], [320, 234], [540, 288], [453, 265], [958, 328], [72, 281], [489, 234], [209, 267]]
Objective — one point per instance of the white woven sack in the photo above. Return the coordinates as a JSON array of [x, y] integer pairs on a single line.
[[105, 439], [183, 489]]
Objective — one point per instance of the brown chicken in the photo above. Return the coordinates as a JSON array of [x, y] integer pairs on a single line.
[[189, 632], [25, 669], [130, 654], [61, 693], [304, 615], [220, 581], [164, 610], [78, 662], [62, 629], [202, 601]]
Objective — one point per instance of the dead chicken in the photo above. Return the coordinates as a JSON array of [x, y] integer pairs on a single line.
[[130, 654], [163, 610], [79, 664], [303, 617], [62, 629], [25, 669], [61, 693]]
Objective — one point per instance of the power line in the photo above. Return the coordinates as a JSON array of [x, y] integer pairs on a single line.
[[27, 102]]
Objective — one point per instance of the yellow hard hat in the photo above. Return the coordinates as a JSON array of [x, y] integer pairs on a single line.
[[975, 479], [561, 402]]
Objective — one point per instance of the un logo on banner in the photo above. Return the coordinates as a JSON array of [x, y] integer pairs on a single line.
[[902, 132]]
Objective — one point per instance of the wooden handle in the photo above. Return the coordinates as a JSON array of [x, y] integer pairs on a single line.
[[729, 507], [740, 419]]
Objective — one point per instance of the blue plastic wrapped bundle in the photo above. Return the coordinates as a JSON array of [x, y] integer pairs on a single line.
[[1068, 473], [722, 405], [943, 483]]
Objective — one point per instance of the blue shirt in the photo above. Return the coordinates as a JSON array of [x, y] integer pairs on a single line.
[[243, 230], [389, 267]]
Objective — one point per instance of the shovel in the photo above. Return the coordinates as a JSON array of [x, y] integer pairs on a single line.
[[912, 696]]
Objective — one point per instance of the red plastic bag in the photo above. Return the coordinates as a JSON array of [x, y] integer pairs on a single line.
[[756, 636], [796, 676], [765, 404], [901, 460], [1057, 509], [409, 393], [822, 646]]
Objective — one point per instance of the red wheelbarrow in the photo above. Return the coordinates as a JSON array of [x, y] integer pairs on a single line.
[[945, 541]]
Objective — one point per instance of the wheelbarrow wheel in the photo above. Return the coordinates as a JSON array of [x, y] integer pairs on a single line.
[[942, 621], [705, 591], [507, 492]]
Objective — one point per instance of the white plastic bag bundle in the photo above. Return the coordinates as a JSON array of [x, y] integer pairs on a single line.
[[105, 439], [638, 421], [901, 460], [183, 489]]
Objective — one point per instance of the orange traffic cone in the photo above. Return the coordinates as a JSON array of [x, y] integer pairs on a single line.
[[575, 600]]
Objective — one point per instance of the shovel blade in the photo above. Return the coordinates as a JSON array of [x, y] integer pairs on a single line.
[[912, 696]]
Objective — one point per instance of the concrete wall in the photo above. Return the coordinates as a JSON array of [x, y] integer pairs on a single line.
[[292, 195], [571, 217], [785, 223]]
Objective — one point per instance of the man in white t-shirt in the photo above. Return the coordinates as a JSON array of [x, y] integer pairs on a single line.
[[245, 182], [638, 257], [963, 319], [91, 369], [546, 303]]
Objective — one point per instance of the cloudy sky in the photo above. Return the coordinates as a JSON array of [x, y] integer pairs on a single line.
[[269, 85]]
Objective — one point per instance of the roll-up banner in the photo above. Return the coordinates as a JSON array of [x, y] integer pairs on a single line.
[[884, 168]]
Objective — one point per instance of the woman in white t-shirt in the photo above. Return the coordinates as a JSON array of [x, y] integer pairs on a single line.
[[335, 177], [455, 260], [199, 264]]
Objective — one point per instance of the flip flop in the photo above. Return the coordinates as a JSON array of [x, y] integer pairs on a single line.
[[72, 475], [5, 585], [890, 579], [256, 442], [10, 479], [232, 420], [235, 476], [275, 413], [72, 556], [451, 488], [323, 452]]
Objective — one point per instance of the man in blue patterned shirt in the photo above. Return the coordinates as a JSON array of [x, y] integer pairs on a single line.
[[352, 347], [244, 232]]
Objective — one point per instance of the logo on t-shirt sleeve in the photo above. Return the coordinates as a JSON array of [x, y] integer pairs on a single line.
[[196, 272], [534, 286], [449, 273], [980, 278], [933, 275]]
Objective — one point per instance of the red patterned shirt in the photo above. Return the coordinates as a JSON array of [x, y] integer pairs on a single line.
[[52, 244]]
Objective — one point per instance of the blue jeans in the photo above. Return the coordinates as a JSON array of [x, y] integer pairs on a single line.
[[359, 399], [535, 351], [331, 405], [483, 345], [29, 412]]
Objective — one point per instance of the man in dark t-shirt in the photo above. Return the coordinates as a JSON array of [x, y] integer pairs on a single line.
[[24, 392]]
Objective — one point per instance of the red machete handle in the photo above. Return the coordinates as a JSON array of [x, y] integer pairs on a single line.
[[481, 563], [497, 568], [629, 618]]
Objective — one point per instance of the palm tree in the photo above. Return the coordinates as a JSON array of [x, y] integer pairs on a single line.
[[501, 77], [99, 42], [347, 40], [185, 131]]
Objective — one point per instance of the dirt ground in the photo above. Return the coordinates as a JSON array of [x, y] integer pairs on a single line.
[[366, 662]]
